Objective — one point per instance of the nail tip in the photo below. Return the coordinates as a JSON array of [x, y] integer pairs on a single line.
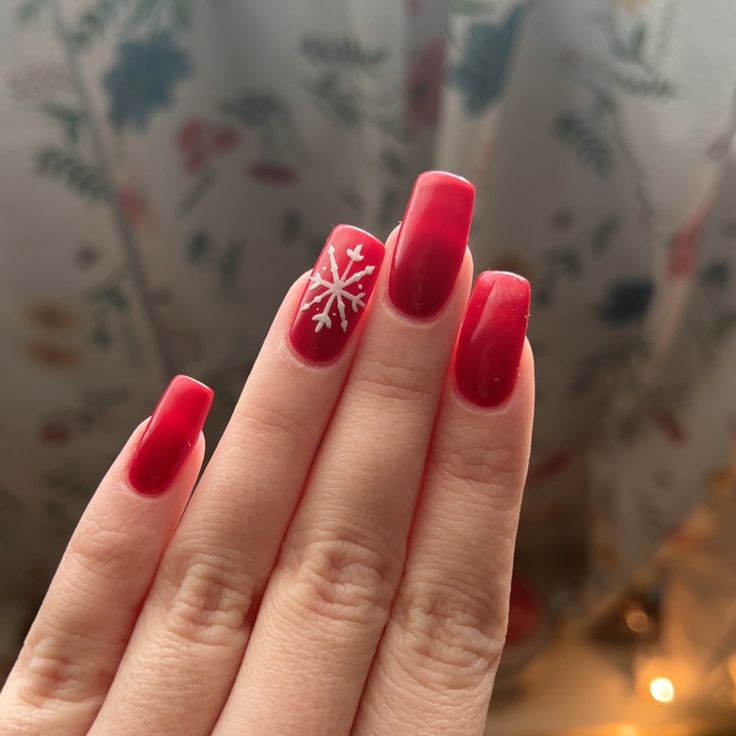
[[193, 387], [431, 243], [491, 340], [441, 175], [352, 230], [171, 433], [332, 304]]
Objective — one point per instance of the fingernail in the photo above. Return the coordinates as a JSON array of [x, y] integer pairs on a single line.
[[170, 435], [492, 338], [431, 243], [337, 294]]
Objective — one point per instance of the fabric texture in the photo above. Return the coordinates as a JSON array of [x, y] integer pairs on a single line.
[[170, 166]]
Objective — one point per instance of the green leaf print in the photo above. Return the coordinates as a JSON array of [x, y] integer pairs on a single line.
[[95, 22], [69, 168], [199, 190], [101, 15], [292, 225], [588, 144], [179, 13], [722, 326], [470, 7], [336, 101], [224, 261], [394, 127], [70, 118], [30, 10], [645, 87], [257, 109], [393, 162], [342, 52], [108, 305], [664, 34], [110, 295], [624, 45], [603, 234], [628, 47]]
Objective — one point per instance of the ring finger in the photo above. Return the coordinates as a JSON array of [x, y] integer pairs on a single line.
[[440, 650]]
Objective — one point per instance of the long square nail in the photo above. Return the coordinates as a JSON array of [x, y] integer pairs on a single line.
[[491, 338], [170, 435], [431, 243]]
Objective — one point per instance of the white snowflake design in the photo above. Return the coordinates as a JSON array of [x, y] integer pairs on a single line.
[[336, 289]]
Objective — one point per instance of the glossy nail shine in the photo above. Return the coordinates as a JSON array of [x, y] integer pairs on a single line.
[[337, 294], [170, 435], [491, 338], [431, 243]]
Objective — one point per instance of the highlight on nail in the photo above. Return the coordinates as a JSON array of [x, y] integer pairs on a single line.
[[170, 435], [431, 243], [337, 294], [491, 338]]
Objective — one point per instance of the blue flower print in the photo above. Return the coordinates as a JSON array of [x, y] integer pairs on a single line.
[[144, 79], [626, 301], [481, 73]]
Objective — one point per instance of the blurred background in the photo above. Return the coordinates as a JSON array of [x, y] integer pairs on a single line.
[[168, 167]]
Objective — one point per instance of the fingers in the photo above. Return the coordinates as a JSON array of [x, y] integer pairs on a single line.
[[329, 596], [76, 642], [441, 647], [192, 632]]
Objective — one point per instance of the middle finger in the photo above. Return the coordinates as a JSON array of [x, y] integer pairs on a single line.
[[329, 596]]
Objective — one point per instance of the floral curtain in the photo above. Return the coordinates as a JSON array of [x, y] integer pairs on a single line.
[[170, 166]]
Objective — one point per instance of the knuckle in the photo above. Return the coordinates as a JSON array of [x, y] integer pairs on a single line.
[[493, 467], [259, 416], [449, 638], [57, 671], [208, 600], [105, 552], [342, 578], [405, 382]]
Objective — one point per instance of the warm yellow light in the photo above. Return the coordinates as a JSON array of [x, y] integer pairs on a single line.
[[628, 729], [662, 689]]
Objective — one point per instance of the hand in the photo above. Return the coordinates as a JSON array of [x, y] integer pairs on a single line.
[[344, 565]]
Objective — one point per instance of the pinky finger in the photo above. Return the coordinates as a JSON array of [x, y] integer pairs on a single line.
[[77, 640]]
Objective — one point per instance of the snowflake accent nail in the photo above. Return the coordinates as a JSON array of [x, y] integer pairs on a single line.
[[337, 293], [336, 290]]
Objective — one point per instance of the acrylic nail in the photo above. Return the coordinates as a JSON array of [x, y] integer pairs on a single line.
[[431, 243], [492, 338], [337, 294], [170, 435]]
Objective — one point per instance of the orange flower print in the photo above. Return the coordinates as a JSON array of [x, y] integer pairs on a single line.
[[51, 316], [51, 355]]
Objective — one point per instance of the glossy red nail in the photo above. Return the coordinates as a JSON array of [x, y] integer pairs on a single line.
[[431, 243], [170, 435], [337, 293], [492, 338]]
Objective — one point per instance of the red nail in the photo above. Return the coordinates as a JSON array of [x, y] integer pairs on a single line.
[[431, 243], [337, 293], [170, 435], [492, 338]]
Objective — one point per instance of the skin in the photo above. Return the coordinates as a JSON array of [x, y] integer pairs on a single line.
[[343, 568]]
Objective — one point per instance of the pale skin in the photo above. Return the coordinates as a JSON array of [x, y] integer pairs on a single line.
[[343, 568]]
